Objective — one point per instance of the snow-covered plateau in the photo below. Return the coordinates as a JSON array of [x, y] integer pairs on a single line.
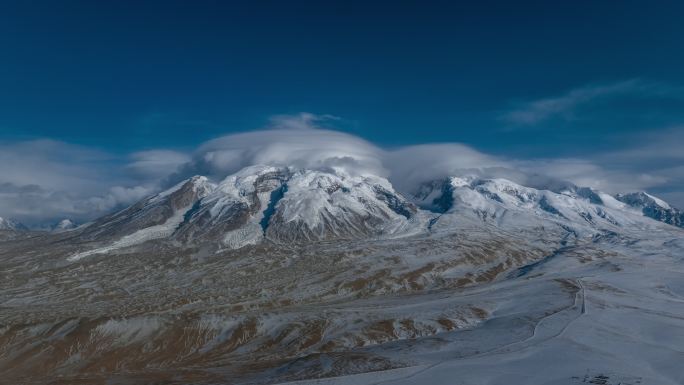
[[284, 275]]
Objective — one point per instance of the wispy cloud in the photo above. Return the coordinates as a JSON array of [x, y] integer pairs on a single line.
[[303, 120], [654, 163], [567, 106], [156, 164]]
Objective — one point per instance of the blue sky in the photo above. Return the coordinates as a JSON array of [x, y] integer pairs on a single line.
[[583, 88]]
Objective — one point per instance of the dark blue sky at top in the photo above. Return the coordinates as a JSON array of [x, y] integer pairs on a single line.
[[132, 75]]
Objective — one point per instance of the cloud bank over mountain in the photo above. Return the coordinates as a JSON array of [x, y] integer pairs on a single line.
[[45, 180]]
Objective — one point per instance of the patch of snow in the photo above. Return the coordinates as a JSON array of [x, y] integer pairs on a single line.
[[612, 203], [143, 235], [201, 184], [9, 224], [129, 330], [64, 225], [313, 197], [659, 201], [250, 234], [456, 181]]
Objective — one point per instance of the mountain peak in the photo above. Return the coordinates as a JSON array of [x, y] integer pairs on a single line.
[[642, 198], [63, 225], [653, 207], [261, 203]]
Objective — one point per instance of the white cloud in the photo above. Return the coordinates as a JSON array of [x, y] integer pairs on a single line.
[[51, 164], [412, 165], [38, 206], [303, 120], [655, 164], [287, 142], [156, 164], [656, 146], [588, 173], [47, 180]]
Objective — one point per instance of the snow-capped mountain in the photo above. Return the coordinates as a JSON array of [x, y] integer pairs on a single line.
[[261, 203], [9, 224], [233, 211], [296, 206], [653, 207], [64, 225], [280, 204], [506, 204]]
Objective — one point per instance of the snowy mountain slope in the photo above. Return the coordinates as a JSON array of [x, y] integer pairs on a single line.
[[318, 205], [9, 224], [164, 209], [580, 211], [152, 218], [614, 322], [233, 212], [64, 225], [283, 205], [653, 207]]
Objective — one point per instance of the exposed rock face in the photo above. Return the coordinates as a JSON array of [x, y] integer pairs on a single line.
[[653, 207], [236, 204], [436, 196]]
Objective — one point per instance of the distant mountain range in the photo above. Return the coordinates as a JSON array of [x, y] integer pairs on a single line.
[[9, 224], [14, 225], [284, 205]]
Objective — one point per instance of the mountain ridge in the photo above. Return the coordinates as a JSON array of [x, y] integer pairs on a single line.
[[653, 207], [284, 205]]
